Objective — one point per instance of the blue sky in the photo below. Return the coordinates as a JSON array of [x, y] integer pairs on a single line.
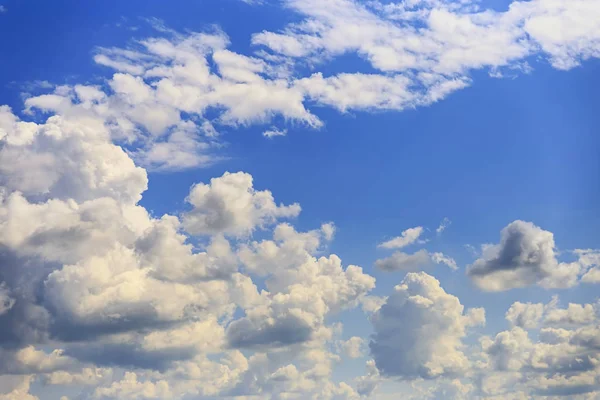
[[508, 156]]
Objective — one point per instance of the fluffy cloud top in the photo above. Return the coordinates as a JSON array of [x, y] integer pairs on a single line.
[[419, 330], [230, 205], [526, 255], [562, 362]]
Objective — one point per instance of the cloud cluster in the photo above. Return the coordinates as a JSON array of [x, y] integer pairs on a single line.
[[89, 273], [401, 261], [164, 88], [563, 361], [228, 299]]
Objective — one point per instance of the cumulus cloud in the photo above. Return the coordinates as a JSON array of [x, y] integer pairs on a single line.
[[86, 268], [353, 347], [301, 289], [562, 362], [590, 262], [419, 330], [103, 299], [231, 205], [526, 255], [525, 315], [131, 388]]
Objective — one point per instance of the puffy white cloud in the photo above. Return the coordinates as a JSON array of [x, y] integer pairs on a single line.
[[419, 330], [368, 383], [509, 350], [590, 261], [525, 256], [302, 289], [86, 377], [89, 278], [353, 347], [131, 388], [574, 314], [567, 31], [29, 360], [89, 270], [563, 362], [231, 205], [69, 159], [525, 315]]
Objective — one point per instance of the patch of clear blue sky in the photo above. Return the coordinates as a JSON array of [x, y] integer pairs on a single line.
[[503, 149]]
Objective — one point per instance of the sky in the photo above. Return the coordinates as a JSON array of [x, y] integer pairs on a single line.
[[299, 199]]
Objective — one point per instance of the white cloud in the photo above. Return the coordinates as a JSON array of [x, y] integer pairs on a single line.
[[368, 383], [231, 205], [302, 289], [16, 387], [443, 225], [131, 388], [400, 261], [66, 159], [407, 238], [274, 132], [525, 256], [96, 293], [419, 331], [525, 315], [353, 347], [590, 262], [441, 258], [562, 363]]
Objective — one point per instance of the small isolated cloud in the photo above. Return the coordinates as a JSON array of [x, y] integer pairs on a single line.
[[3, 9], [525, 256], [407, 238], [441, 258], [443, 225], [274, 132]]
